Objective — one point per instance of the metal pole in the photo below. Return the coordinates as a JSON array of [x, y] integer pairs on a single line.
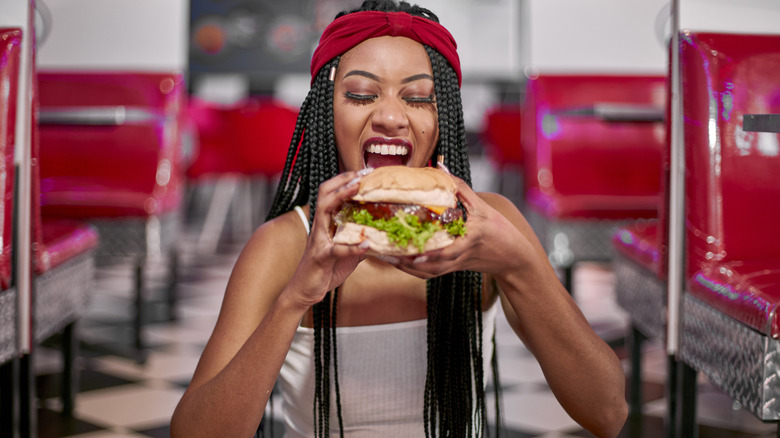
[[676, 194], [676, 244]]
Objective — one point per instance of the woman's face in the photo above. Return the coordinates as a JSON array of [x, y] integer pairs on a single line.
[[384, 106]]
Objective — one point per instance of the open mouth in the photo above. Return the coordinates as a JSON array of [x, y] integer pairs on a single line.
[[383, 152]]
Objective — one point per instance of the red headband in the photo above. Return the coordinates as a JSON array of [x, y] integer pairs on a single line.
[[352, 29]]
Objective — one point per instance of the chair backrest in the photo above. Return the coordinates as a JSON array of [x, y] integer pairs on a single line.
[[262, 128], [501, 135], [250, 137], [111, 143], [594, 134], [10, 49], [732, 176]]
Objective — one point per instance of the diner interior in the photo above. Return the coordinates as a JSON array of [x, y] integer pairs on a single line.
[[142, 141]]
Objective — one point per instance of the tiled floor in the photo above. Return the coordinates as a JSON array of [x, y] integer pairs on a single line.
[[120, 398]]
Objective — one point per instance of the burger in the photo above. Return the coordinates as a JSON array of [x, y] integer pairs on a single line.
[[400, 211]]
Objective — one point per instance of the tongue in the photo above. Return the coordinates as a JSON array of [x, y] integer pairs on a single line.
[[376, 160]]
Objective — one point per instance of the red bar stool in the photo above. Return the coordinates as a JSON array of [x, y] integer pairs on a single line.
[[592, 147], [240, 146], [111, 144], [729, 327]]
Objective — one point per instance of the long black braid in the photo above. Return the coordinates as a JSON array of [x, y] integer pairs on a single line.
[[454, 397]]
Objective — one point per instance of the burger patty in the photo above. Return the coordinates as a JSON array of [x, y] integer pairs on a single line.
[[386, 210]]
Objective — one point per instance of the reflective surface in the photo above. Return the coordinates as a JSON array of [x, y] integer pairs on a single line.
[[130, 168], [582, 164], [732, 189], [10, 45]]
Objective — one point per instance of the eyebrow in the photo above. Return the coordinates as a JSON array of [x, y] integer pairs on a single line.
[[376, 78]]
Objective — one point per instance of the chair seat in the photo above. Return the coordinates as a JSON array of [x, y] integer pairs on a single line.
[[639, 242], [63, 240], [746, 291], [593, 206]]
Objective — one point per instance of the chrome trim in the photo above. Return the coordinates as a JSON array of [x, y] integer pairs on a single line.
[[98, 116], [761, 123], [616, 112], [676, 194]]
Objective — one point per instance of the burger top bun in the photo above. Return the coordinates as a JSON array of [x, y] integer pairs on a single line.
[[408, 185]]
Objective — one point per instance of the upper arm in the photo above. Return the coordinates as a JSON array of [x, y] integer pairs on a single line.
[[262, 270], [507, 209]]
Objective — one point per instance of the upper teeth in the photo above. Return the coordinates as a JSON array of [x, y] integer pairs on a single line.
[[388, 149]]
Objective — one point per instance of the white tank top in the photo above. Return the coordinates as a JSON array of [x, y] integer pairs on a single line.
[[381, 379]]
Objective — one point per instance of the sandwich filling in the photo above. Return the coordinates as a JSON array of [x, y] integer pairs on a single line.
[[404, 224]]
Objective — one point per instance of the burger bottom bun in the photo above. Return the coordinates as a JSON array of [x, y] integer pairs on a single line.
[[354, 234]]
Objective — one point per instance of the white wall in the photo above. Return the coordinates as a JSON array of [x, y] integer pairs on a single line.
[[629, 35], [116, 34], [596, 35], [489, 34], [746, 16]]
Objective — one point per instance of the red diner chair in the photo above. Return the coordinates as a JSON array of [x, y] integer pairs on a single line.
[[61, 253], [729, 327], [592, 149], [111, 149], [10, 348], [501, 137], [63, 269], [241, 150]]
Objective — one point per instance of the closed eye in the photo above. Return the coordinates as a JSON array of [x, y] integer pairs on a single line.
[[428, 99], [360, 98], [420, 100]]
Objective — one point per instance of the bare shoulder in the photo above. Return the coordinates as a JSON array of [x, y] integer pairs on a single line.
[[507, 209], [277, 242], [265, 266]]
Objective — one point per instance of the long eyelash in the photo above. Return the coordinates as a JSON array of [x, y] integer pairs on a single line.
[[364, 98], [429, 99]]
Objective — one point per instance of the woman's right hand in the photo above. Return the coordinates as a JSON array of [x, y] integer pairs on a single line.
[[325, 265]]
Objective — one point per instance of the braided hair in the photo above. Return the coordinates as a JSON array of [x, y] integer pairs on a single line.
[[454, 396]]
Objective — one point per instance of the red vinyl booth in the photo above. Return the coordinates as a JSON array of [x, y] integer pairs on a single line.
[[111, 147], [62, 264], [593, 149], [729, 326], [237, 145], [10, 47]]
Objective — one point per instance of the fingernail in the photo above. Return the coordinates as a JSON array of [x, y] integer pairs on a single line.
[[443, 167], [353, 182], [388, 259], [364, 244], [365, 171], [420, 259]]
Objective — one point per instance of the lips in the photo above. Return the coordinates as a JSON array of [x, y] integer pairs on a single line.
[[380, 152]]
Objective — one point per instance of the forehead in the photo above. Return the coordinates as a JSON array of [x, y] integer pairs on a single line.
[[387, 56]]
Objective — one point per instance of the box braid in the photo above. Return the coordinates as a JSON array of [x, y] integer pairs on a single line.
[[454, 396]]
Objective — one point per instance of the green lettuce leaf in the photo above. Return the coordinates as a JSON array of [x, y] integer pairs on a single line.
[[404, 228]]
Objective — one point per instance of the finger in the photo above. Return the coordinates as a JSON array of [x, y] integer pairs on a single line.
[[466, 195], [342, 250], [335, 191]]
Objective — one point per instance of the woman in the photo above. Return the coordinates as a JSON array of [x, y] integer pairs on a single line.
[[372, 347]]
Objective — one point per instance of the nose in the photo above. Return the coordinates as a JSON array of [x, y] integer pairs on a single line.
[[390, 117]]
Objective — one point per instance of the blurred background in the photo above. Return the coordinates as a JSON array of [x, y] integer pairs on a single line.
[[143, 139]]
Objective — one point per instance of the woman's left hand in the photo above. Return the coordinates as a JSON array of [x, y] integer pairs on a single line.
[[492, 244]]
